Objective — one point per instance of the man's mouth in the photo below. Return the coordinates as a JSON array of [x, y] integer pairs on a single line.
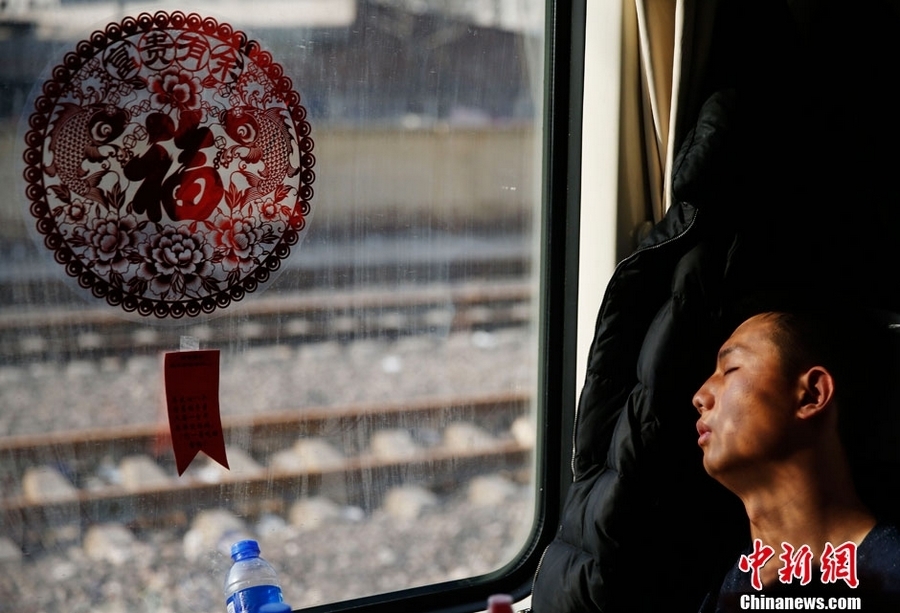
[[704, 431]]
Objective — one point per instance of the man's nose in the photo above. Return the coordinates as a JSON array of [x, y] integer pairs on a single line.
[[703, 399]]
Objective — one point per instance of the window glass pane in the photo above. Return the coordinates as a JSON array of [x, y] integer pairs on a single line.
[[363, 260]]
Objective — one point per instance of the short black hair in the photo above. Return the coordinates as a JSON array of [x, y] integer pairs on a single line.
[[821, 338], [846, 339]]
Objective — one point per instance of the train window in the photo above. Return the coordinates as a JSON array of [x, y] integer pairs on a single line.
[[344, 206]]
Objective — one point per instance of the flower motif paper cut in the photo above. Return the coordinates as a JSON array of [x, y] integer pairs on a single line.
[[169, 165]]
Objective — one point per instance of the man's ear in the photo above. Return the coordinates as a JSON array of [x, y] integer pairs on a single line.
[[817, 392]]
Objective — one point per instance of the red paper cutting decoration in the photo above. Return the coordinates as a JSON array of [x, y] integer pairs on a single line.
[[169, 165]]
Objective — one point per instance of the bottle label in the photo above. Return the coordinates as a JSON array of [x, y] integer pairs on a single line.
[[252, 598]]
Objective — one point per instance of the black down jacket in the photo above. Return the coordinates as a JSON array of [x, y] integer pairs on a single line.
[[631, 535]]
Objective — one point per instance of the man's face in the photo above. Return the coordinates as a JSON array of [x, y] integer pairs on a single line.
[[747, 407]]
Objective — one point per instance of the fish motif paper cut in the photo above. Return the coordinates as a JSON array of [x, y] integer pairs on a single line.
[[169, 165]]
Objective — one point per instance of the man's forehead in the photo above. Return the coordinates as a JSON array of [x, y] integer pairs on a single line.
[[750, 336]]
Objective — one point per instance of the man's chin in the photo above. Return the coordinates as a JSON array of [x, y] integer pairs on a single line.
[[729, 477], [712, 468]]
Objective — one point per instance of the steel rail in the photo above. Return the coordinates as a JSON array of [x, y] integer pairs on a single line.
[[25, 519]]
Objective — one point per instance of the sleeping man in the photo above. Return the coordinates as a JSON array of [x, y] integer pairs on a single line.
[[771, 431]]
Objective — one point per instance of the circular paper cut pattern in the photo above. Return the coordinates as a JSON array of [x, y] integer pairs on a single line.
[[168, 163]]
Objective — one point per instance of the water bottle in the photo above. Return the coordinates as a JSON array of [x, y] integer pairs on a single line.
[[251, 582]]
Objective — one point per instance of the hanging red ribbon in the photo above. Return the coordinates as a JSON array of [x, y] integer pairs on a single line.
[[192, 400]]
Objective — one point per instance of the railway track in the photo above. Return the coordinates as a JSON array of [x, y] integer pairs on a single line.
[[60, 334], [441, 442]]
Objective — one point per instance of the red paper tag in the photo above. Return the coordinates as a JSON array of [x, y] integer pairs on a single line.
[[192, 399]]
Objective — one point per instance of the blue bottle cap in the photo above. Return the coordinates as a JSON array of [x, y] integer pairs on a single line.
[[244, 549], [275, 607]]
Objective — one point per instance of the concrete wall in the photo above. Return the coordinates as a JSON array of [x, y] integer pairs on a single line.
[[383, 178]]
